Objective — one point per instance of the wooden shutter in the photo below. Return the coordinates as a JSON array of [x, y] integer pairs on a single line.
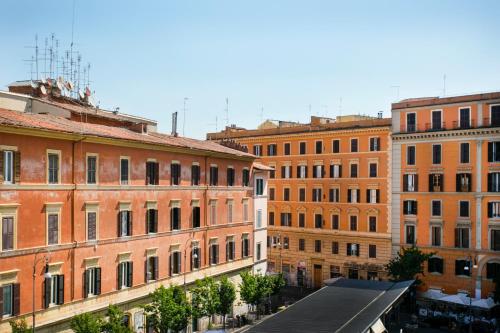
[[490, 151], [405, 183], [47, 284], [227, 251], [1, 300], [367, 196], [119, 226], [60, 289], [119, 277], [349, 195], [377, 194], [16, 298], [490, 182], [282, 171], [155, 268], [146, 270], [155, 218], [358, 195], [130, 273], [1, 173], [348, 249], [86, 283], [157, 173], [17, 167], [431, 182], [129, 213], [415, 177]]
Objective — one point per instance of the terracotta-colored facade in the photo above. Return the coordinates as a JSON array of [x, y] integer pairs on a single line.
[[317, 241], [81, 213], [445, 188]]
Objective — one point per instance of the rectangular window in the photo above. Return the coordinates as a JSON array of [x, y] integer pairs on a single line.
[[411, 122], [271, 218], [91, 226], [494, 151], [286, 219], [195, 175], [436, 208], [374, 144], [8, 166], [464, 209], [495, 239], [495, 115], [302, 148], [410, 207], [302, 244], [462, 238], [494, 209], [462, 267], [272, 149], [91, 169], [335, 247], [53, 229], [287, 148], [410, 183], [316, 195], [354, 170], [353, 222], [372, 251], [318, 171], [436, 182], [436, 154], [230, 177], [175, 174], [152, 221], [9, 295], [335, 146], [272, 193], [302, 171], [302, 194], [353, 249], [373, 196], [272, 173], [259, 186], [92, 281], [464, 182], [410, 234], [195, 258], [151, 268], [152, 173], [318, 221], [436, 236], [54, 290], [230, 250], [494, 182], [317, 246], [245, 247], [334, 195], [286, 243], [229, 211], [53, 168], [436, 120], [373, 170], [259, 251], [335, 171], [7, 233], [246, 177], [464, 152], [175, 263], [196, 217], [245, 211], [353, 195], [319, 147], [302, 220], [124, 171], [410, 155], [286, 171], [124, 223], [214, 175], [259, 219], [354, 145], [465, 118], [257, 150], [214, 253], [372, 223], [334, 271], [335, 222], [286, 194]]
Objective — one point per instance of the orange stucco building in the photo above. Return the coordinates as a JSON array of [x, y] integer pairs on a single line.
[[328, 197], [108, 210], [446, 184]]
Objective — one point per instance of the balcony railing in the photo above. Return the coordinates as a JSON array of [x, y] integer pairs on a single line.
[[450, 125], [430, 127], [464, 124]]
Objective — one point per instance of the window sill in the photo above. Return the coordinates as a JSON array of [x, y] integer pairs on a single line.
[[463, 276], [435, 273]]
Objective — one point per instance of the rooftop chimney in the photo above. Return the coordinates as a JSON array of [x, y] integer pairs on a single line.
[[380, 114], [174, 124]]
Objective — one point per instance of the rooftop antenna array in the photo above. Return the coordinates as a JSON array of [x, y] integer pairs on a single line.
[[444, 85], [227, 111]]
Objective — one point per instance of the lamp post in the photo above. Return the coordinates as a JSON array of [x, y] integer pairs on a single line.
[[195, 256], [46, 275], [469, 268]]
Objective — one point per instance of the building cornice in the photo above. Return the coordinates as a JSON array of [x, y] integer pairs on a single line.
[[476, 132]]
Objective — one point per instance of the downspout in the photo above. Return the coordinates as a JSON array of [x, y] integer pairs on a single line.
[[75, 243], [205, 218]]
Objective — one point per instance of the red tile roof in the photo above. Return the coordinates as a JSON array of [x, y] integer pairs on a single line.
[[47, 122]]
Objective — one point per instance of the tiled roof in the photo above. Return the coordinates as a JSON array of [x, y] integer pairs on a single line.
[[49, 122]]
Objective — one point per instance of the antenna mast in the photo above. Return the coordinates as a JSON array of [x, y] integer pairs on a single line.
[[227, 111], [184, 116], [444, 85]]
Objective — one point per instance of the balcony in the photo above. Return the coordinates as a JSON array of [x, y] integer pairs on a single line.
[[464, 124], [432, 127], [450, 125]]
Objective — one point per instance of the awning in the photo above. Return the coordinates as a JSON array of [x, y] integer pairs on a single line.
[[378, 327], [484, 303]]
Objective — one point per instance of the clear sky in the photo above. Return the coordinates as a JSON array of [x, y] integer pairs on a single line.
[[291, 58]]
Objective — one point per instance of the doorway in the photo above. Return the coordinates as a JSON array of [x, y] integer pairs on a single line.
[[318, 276]]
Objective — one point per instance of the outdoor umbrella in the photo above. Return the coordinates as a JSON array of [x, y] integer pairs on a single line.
[[484, 303]]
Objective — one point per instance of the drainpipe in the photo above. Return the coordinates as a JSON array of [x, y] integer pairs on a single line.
[[75, 243]]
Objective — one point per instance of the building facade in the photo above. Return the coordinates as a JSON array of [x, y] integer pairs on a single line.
[[327, 198], [446, 184], [261, 174], [103, 209]]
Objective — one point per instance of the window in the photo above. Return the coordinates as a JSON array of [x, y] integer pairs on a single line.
[[7, 233], [495, 239], [151, 268], [175, 263], [259, 186], [271, 218], [436, 207], [462, 238], [374, 144], [302, 194], [318, 171], [495, 115], [213, 212], [494, 151], [410, 155], [195, 175], [152, 221], [302, 171], [124, 170], [464, 152], [436, 182], [353, 249], [335, 146], [335, 171], [354, 170], [214, 254], [92, 281], [230, 176], [195, 257], [316, 195], [436, 236], [494, 182], [464, 118], [410, 234], [354, 145], [373, 170], [373, 196], [464, 182], [245, 247], [91, 226], [196, 220], [436, 120], [230, 250], [53, 168], [302, 244], [8, 165], [91, 169], [175, 173], [319, 147], [464, 209], [257, 150], [492, 270], [302, 148], [272, 149], [272, 194], [245, 211], [259, 251], [411, 122], [318, 221], [286, 219], [52, 229], [286, 171], [124, 223], [334, 195], [435, 265], [10, 298], [436, 154], [410, 207], [372, 251], [410, 183], [286, 243], [494, 209], [54, 290], [272, 173], [372, 223], [335, 222], [286, 194], [214, 175], [302, 220], [353, 195], [335, 247], [258, 220], [317, 246], [286, 148], [246, 177], [353, 223], [462, 267], [152, 173], [334, 271]]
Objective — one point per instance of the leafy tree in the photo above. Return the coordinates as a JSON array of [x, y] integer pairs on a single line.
[[169, 310], [226, 295], [277, 282], [408, 264], [205, 299], [86, 323], [254, 288], [115, 321], [20, 326]]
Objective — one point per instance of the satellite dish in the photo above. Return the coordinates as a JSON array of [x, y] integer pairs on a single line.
[[43, 90], [69, 85], [81, 94], [33, 85], [49, 82], [59, 86], [92, 101]]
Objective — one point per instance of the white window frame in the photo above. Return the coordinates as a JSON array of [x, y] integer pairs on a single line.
[[406, 121], [440, 208], [440, 154], [376, 167], [460, 152], [8, 211], [55, 152], [8, 166], [91, 208], [350, 145], [407, 154], [53, 209], [432, 123], [96, 168], [460, 114], [128, 171], [490, 110]]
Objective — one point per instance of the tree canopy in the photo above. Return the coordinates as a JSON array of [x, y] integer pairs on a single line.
[[408, 264]]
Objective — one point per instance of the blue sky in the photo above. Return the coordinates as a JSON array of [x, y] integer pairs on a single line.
[[287, 57]]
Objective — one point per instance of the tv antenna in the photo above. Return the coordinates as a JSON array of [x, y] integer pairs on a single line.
[[184, 116], [227, 111], [444, 85]]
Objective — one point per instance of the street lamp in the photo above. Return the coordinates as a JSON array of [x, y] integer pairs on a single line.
[[46, 275], [195, 256], [469, 268]]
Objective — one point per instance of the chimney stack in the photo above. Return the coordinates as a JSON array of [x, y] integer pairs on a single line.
[[174, 124]]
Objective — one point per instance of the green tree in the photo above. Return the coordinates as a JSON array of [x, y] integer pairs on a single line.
[[227, 295], [20, 326], [408, 264], [169, 310], [277, 282], [86, 323], [115, 324], [254, 288], [205, 299]]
